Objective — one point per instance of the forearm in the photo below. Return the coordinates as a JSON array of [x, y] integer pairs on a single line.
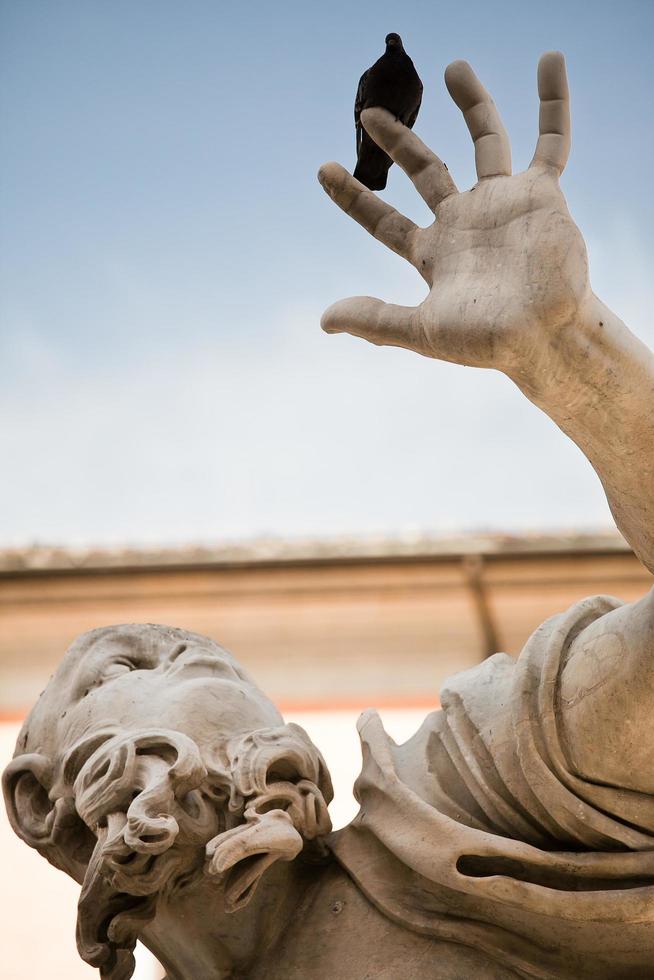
[[595, 379]]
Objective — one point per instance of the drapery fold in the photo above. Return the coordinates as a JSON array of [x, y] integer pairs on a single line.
[[550, 874]]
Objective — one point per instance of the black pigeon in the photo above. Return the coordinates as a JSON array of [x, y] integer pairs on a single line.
[[393, 84]]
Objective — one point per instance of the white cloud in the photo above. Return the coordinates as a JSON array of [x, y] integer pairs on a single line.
[[303, 434]]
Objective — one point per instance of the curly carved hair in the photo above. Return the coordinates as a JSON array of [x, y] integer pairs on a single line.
[[146, 814]]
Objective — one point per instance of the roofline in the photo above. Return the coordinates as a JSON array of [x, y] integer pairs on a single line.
[[265, 553]]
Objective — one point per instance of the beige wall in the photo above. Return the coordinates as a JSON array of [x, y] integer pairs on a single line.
[[326, 631]]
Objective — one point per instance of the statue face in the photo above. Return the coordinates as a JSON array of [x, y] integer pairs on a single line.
[[130, 678], [152, 764]]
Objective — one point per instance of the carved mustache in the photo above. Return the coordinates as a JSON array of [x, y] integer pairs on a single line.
[[285, 786], [160, 812], [141, 796], [140, 793]]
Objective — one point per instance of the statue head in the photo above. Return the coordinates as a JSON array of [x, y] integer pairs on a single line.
[[150, 761]]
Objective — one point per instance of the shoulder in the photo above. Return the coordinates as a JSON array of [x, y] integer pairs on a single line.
[[606, 697]]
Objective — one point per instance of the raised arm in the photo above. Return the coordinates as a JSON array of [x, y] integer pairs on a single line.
[[510, 290]]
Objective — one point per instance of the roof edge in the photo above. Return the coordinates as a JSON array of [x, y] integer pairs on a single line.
[[53, 558]]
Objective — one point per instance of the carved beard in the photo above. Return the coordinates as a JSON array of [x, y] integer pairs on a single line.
[[163, 817]]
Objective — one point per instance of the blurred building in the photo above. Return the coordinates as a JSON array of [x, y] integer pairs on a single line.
[[319, 624]]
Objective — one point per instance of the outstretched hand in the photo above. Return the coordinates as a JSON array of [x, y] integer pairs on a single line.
[[505, 263]]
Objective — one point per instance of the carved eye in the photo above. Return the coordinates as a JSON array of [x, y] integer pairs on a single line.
[[118, 667]]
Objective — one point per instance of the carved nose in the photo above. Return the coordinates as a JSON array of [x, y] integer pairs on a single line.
[[177, 652], [194, 661]]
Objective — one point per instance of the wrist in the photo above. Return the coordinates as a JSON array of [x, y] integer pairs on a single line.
[[589, 372]]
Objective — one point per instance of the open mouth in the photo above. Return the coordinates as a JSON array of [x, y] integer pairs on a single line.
[[131, 864]]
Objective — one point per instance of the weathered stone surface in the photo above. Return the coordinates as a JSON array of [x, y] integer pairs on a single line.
[[513, 835]]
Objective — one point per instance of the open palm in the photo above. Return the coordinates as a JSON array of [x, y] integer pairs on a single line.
[[505, 263]]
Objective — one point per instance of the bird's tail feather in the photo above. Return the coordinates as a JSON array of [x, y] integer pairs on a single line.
[[374, 182], [373, 164]]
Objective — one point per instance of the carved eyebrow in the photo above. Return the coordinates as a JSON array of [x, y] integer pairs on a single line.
[[128, 653]]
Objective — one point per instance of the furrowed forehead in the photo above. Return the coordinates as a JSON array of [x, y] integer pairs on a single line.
[[93, 645], [40, 728], [147, 638]]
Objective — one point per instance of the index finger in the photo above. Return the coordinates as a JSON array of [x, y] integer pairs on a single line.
[[553, 145], [428, 173], [376, 216]]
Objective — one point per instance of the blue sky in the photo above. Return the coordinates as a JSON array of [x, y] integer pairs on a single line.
[[166, 252]]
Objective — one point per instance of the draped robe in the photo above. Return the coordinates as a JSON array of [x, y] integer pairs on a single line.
[[478, 831]]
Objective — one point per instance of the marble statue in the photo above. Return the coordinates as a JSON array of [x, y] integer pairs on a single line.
[[513, 835]]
